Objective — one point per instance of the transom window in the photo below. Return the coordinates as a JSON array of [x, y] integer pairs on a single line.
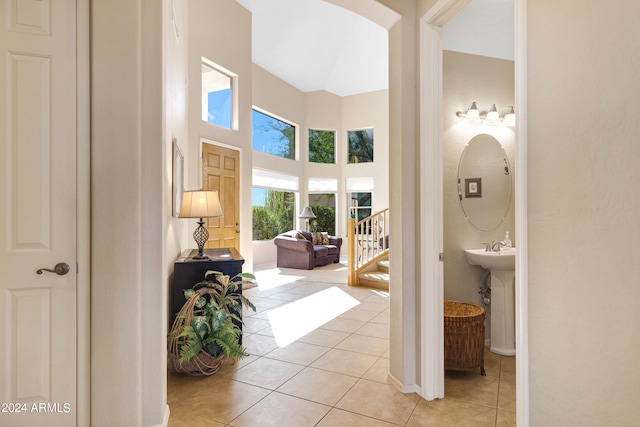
[[360, 146], [217, 95], [322, 145], [273, 136]]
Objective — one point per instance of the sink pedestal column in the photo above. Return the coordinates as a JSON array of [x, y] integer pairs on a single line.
[[503, 313]]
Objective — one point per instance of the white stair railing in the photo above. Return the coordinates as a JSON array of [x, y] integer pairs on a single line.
[[368, 241]]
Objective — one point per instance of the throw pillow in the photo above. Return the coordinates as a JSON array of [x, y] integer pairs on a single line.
[[299, 236], [325, 238], [316, 238]]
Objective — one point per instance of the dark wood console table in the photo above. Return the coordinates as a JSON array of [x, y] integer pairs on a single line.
[[188, 271]]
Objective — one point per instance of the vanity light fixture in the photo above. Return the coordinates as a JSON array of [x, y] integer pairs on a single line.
[[492, 118], [509, 117], [472, 112], [505, 115]]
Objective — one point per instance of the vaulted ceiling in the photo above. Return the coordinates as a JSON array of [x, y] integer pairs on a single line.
[[316, 45]]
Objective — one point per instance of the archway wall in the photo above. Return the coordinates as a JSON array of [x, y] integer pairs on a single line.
[[401, 19]]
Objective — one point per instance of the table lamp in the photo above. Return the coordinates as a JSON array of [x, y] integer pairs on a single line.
[[307, 214], [200, 204]]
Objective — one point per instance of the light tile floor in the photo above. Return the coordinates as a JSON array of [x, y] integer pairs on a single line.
[[334, 371]]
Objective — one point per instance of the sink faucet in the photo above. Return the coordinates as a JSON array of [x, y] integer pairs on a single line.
[[499, 244]]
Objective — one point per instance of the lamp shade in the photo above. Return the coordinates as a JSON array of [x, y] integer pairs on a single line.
[[307, 213], [493, 118], [472, 112], [200, 204], [509, 117]]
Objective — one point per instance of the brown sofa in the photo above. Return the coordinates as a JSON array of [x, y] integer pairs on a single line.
[[302, 253]]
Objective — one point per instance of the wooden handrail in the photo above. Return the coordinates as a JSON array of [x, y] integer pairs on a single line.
[[367, 242]]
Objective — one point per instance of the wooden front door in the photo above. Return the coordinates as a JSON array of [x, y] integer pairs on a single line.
[[221, 171], [38, 197]]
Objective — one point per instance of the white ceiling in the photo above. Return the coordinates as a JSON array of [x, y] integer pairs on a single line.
[[483, 27], [315, 45]]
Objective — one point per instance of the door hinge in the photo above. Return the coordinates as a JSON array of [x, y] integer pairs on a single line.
[[441, 257]]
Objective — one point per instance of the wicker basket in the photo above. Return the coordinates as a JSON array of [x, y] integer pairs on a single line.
[[203, 363], [463, 336]]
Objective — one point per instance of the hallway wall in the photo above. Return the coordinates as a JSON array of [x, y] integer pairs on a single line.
[[583, 157]]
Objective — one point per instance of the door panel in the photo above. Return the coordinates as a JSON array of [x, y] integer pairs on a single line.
[[38, 357], [221, 172]]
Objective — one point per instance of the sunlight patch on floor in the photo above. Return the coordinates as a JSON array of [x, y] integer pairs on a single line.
[[296, 319], [273, 278]]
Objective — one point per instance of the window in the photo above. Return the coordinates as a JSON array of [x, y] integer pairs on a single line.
[[272, 212], [273, 136], [324, 208], [359, 205], [360, 146], [217, 96], [322, 146]]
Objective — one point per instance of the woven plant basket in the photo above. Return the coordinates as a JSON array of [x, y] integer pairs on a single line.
[[203, 363], [463, 336]]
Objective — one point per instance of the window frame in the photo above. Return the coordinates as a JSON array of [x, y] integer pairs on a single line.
[[348, 145], [233, 96], [333, 153], [270, 115]]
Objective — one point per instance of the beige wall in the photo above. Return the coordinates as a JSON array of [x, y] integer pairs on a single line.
[[175, 120], [583, 158], [369, 110], [468, 78], [220, 30], [128, 214]]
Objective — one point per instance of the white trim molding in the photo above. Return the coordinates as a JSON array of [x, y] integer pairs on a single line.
[[522, 264], [431, 200], [432, 340]]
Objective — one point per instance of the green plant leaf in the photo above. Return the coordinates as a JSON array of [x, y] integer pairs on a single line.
[[201, 302]]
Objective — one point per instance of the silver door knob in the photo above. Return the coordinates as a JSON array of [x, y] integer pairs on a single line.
[[60, 269]]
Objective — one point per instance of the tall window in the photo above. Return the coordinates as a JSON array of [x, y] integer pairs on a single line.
[[359, 205], [272, 212], [273, 136], [360, 146], [324, 208], [322, 145], [217, 96]]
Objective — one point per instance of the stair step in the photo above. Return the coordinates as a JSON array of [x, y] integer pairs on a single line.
[[383, 266], [375, 279]]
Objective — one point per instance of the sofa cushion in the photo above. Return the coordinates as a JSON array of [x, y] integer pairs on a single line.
[[320, 251], [299, 236], [332, 249]]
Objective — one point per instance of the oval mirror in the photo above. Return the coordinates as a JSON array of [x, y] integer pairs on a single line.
[[484, 182]]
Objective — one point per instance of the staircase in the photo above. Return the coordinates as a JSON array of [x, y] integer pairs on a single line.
[[368, 251], [377, 279]]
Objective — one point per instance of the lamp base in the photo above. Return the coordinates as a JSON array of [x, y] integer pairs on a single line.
[[201, 235], [201, 255]]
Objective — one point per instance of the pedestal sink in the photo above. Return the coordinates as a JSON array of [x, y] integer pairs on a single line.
[[502, 266]]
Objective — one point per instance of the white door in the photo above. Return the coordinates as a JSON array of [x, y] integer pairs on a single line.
[[37, 212]]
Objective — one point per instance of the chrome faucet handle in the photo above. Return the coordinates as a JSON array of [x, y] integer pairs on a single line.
[[499, 244], [487, 246]]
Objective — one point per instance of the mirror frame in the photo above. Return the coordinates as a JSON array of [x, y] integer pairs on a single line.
[[473, 188]]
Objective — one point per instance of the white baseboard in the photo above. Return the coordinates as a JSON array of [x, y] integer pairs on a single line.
[[413, 388], [165, 418]]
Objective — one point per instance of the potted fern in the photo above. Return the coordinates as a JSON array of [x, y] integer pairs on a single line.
[[207, 331]]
